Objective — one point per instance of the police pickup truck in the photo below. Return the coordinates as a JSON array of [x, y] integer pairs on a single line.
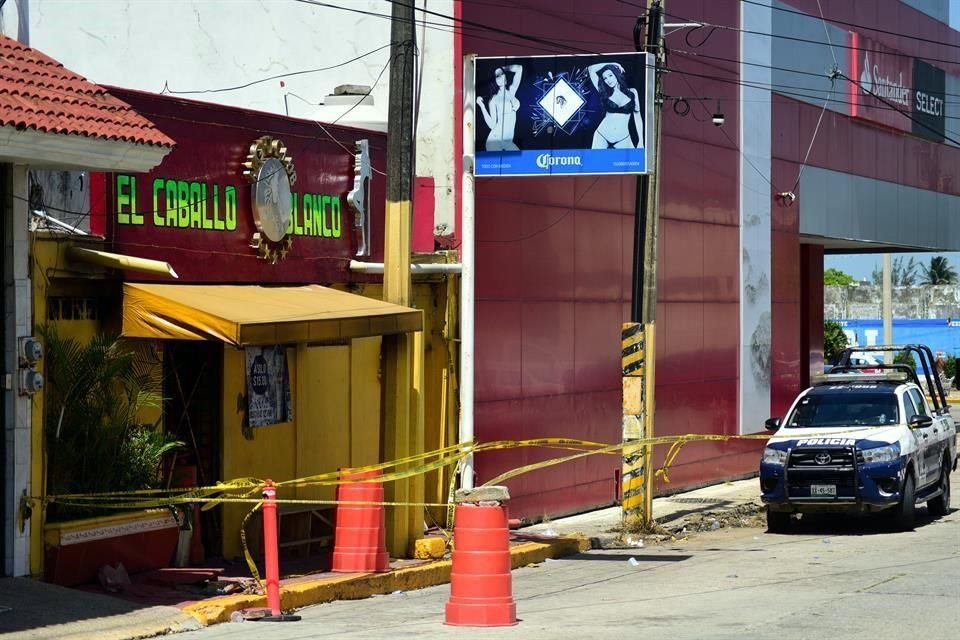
[[862, 443]]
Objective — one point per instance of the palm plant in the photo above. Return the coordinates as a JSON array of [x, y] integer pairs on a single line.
[[94, 395], [940, 272]]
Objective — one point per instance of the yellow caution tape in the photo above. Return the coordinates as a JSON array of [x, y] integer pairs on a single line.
[[242, 490]]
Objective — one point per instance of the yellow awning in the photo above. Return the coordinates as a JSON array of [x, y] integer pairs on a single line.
[[254, 315]]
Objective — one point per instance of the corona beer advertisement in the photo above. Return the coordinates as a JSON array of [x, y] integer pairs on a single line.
[[562, 115]]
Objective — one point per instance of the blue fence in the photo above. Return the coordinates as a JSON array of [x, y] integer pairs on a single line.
[[942, 335]]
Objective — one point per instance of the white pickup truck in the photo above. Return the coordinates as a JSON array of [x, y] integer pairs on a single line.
[[862, 443]]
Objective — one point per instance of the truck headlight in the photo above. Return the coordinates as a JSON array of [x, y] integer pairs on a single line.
[[774, 456], [889, 453]]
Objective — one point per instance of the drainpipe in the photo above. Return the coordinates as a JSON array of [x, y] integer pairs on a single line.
[[377, 267]]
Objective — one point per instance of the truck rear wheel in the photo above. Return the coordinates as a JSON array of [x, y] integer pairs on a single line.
[[777, 521], [940, 506], [903, 514]]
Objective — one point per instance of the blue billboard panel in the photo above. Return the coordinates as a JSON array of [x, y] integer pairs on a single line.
[[563, 115]]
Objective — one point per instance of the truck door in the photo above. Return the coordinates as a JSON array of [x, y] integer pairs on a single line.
[[927, 438]]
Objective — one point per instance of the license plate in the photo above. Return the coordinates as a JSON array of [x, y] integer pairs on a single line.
[[823, 490]]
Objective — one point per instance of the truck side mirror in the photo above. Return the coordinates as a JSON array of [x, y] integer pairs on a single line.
[[772, 424], [920, 422]]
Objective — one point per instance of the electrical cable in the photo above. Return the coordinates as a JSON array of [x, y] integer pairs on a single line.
[[854, 24], [372, 87], [166, 88], [899, 110], [826, 31], [443, 28], [808, 41], [813, 138], [774, 67]]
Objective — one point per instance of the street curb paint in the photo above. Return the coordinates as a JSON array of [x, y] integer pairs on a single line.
[[365, 585]]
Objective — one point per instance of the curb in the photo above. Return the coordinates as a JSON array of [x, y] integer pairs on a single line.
[[358, 586]]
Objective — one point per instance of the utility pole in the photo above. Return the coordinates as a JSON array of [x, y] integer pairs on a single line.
[[887, 305], [638, 336], [402, 406]]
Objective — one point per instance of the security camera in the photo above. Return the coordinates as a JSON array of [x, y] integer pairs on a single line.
[[718, 118]]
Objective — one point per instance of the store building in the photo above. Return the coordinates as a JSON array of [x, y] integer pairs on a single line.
[[269, 343], [747, 212]]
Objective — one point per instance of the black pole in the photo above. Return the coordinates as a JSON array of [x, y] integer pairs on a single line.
[[642, 206]]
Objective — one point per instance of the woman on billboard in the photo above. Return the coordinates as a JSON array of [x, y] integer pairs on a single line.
[[501, 117], [621, 103]]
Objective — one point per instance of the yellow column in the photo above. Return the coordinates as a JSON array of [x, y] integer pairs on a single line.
[[637, 360], [402, 386]]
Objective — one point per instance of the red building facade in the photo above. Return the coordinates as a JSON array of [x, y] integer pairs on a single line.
[[554, 254]]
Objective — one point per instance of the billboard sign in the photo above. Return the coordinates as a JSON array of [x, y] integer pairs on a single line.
[[884, 77], [929, 97], [246, 197], [564, 115]]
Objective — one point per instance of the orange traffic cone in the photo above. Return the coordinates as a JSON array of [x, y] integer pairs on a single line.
[[481, 586], [360, 538]]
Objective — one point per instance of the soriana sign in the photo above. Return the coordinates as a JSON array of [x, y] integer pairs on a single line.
[[248, 197], [884, 78]]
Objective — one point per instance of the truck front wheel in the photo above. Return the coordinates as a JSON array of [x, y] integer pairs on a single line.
[[940, 506], [777, 521], [903, 514]]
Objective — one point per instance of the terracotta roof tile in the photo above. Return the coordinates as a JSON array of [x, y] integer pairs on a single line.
[[37, 92]]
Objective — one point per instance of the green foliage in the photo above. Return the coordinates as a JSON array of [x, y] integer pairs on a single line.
[[834, 277], [939, 272], [94, 394], [834, 340], [904, 357], [950, 366], [902, 274]]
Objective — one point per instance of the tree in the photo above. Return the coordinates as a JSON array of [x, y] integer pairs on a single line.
[[901, 275], [939, 272], [95, 441], [834, 340], [835, 277]]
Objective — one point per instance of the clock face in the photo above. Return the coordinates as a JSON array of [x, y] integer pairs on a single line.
[[271, 199]]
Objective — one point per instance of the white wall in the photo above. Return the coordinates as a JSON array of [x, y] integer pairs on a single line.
[[756, 194], [198, 45], [18, 321]]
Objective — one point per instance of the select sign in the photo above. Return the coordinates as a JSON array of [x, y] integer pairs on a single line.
[[929, 93]]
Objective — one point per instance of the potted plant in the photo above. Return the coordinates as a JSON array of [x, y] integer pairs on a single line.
[[96, 442]]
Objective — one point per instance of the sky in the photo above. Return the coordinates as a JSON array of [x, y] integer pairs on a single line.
[[861, 266]]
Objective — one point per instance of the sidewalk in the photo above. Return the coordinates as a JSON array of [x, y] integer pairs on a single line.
[[30, 609], [43, 611], [705, 508]]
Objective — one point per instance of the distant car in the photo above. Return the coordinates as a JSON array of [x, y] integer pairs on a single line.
[[861, 359]]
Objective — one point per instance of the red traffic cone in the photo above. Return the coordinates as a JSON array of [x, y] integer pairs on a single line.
[[360, 538], [481, 585]]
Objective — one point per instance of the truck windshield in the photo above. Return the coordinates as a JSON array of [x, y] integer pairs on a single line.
[[841, 409]]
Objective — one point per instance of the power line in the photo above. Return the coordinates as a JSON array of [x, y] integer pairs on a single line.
[[464, 24], [808, 41], [776, 89], [442, 28], [167, 89], [900, 111], [372, 87], [775, 68], [853, 24]]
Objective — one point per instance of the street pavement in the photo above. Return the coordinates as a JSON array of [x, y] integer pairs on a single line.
[[842, 578]]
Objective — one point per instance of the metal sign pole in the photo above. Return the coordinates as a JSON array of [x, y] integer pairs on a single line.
[[468, 274]]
